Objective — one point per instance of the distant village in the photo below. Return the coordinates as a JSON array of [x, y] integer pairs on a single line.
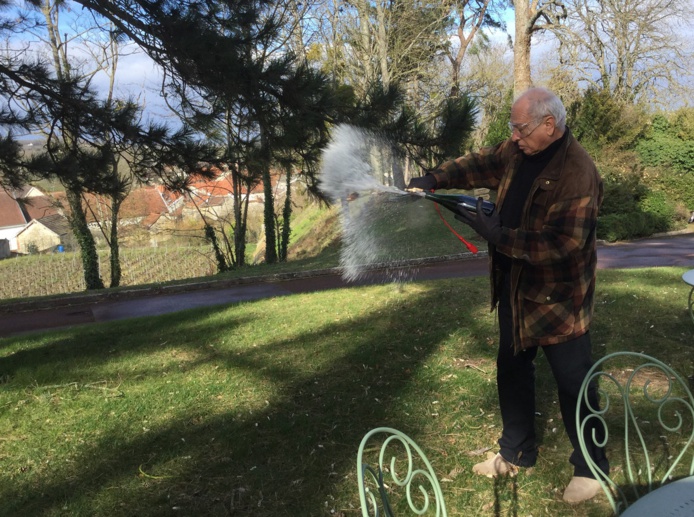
[[33, 221]]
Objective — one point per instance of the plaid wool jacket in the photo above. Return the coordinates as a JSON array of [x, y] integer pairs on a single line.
[[553, 276]]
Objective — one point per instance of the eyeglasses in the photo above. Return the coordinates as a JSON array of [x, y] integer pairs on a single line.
[[521, 128]]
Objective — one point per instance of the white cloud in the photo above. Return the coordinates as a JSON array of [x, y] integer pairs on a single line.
[[138, 77]]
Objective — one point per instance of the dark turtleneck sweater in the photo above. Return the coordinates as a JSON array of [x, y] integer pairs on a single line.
[[512, 211]]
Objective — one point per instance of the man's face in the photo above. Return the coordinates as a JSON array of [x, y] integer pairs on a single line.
[[531, 136]]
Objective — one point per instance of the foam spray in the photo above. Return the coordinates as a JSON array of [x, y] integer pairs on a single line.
[[357, 175]]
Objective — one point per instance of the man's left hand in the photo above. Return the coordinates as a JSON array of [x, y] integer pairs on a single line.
[[487, 226]]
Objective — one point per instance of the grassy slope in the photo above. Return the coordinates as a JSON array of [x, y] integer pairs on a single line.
[[409, 230], [413, 230]]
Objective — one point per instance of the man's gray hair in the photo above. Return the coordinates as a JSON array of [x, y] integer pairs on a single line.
[[544, 102]]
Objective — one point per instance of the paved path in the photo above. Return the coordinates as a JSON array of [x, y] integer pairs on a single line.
[[675, 250]]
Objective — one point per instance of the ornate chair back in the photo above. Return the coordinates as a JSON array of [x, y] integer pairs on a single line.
[[401, 464], [646, 421]]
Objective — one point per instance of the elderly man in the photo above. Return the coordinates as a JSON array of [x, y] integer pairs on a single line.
[[542, 264]]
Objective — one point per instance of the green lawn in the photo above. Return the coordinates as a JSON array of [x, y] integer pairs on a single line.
[[258, 408]]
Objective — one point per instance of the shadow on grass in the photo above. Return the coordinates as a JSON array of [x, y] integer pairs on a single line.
[[294, 457], [288, 459], [83, 349], [506, 492]]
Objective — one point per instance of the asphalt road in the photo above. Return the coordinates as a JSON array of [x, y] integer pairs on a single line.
[[675, 250]]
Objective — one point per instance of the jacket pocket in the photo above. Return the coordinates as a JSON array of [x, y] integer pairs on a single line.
[[548, 310], [541, 201]]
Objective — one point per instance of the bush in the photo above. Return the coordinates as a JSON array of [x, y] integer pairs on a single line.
[[653, 213], [619, 227], [648, 168], [598, 120], [669, 141], [668, 152], [631, 210], [498, 125], [622, 197], [665, 151], [678, 186], [663, 212]]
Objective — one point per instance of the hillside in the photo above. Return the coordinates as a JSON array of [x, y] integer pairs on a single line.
[[407, 231]]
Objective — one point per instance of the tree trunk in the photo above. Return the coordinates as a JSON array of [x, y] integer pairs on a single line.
[[269, 218], [238, 258], [398, 173], [113, 243], [211, 237], [269, 213], [85, 239], [368, 74], [241, 229], [286, 217], [240, 218], [477, 19], [382, 47], [521, 48]]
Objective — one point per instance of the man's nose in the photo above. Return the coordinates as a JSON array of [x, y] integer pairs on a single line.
[[515, 136]]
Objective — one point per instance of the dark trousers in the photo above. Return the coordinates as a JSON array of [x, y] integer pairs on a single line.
[[570, 362]]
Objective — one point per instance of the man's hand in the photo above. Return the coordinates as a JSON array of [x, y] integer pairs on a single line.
[[426, 182], [487, 226]]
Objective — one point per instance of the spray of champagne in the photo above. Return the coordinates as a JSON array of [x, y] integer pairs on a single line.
[[360, 170], [358, 174]]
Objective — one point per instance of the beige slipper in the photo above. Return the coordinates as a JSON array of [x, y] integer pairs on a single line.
[[495, 466], [581, 489]]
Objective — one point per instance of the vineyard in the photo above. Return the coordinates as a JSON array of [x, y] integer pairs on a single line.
[[60, 273]]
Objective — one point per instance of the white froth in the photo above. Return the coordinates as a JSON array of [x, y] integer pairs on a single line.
[[353, 175]]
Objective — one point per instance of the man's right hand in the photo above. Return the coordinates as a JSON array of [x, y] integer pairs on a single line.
[[426, 182]]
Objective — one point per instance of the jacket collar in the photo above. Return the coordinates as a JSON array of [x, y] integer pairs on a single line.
[[555, 167]]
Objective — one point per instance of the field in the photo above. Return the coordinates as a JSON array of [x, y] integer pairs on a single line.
[[61, 273]]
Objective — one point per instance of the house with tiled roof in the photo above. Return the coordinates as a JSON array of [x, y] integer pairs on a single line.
[[215, 197], [48, 233], [148, 213], [144, 212], [18, 208], [141, 204], [13, 219]]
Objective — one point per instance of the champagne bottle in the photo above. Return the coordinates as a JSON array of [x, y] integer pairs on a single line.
[[454, 201]]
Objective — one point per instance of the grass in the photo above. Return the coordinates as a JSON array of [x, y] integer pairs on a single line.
[[258, 408]]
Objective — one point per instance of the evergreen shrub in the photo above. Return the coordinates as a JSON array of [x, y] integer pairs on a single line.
[[499, 117], [669, 143], [656, 203], [600, 121], [621, 197], [678, 186], [631, 210], [667, 150], [645, 164], [619, 227]]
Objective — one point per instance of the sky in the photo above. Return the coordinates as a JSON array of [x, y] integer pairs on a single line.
[[137, 75], [140, 77]]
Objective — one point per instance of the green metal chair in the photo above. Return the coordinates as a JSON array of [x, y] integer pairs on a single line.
[[688, 278], [412, 473], [647, 415]]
